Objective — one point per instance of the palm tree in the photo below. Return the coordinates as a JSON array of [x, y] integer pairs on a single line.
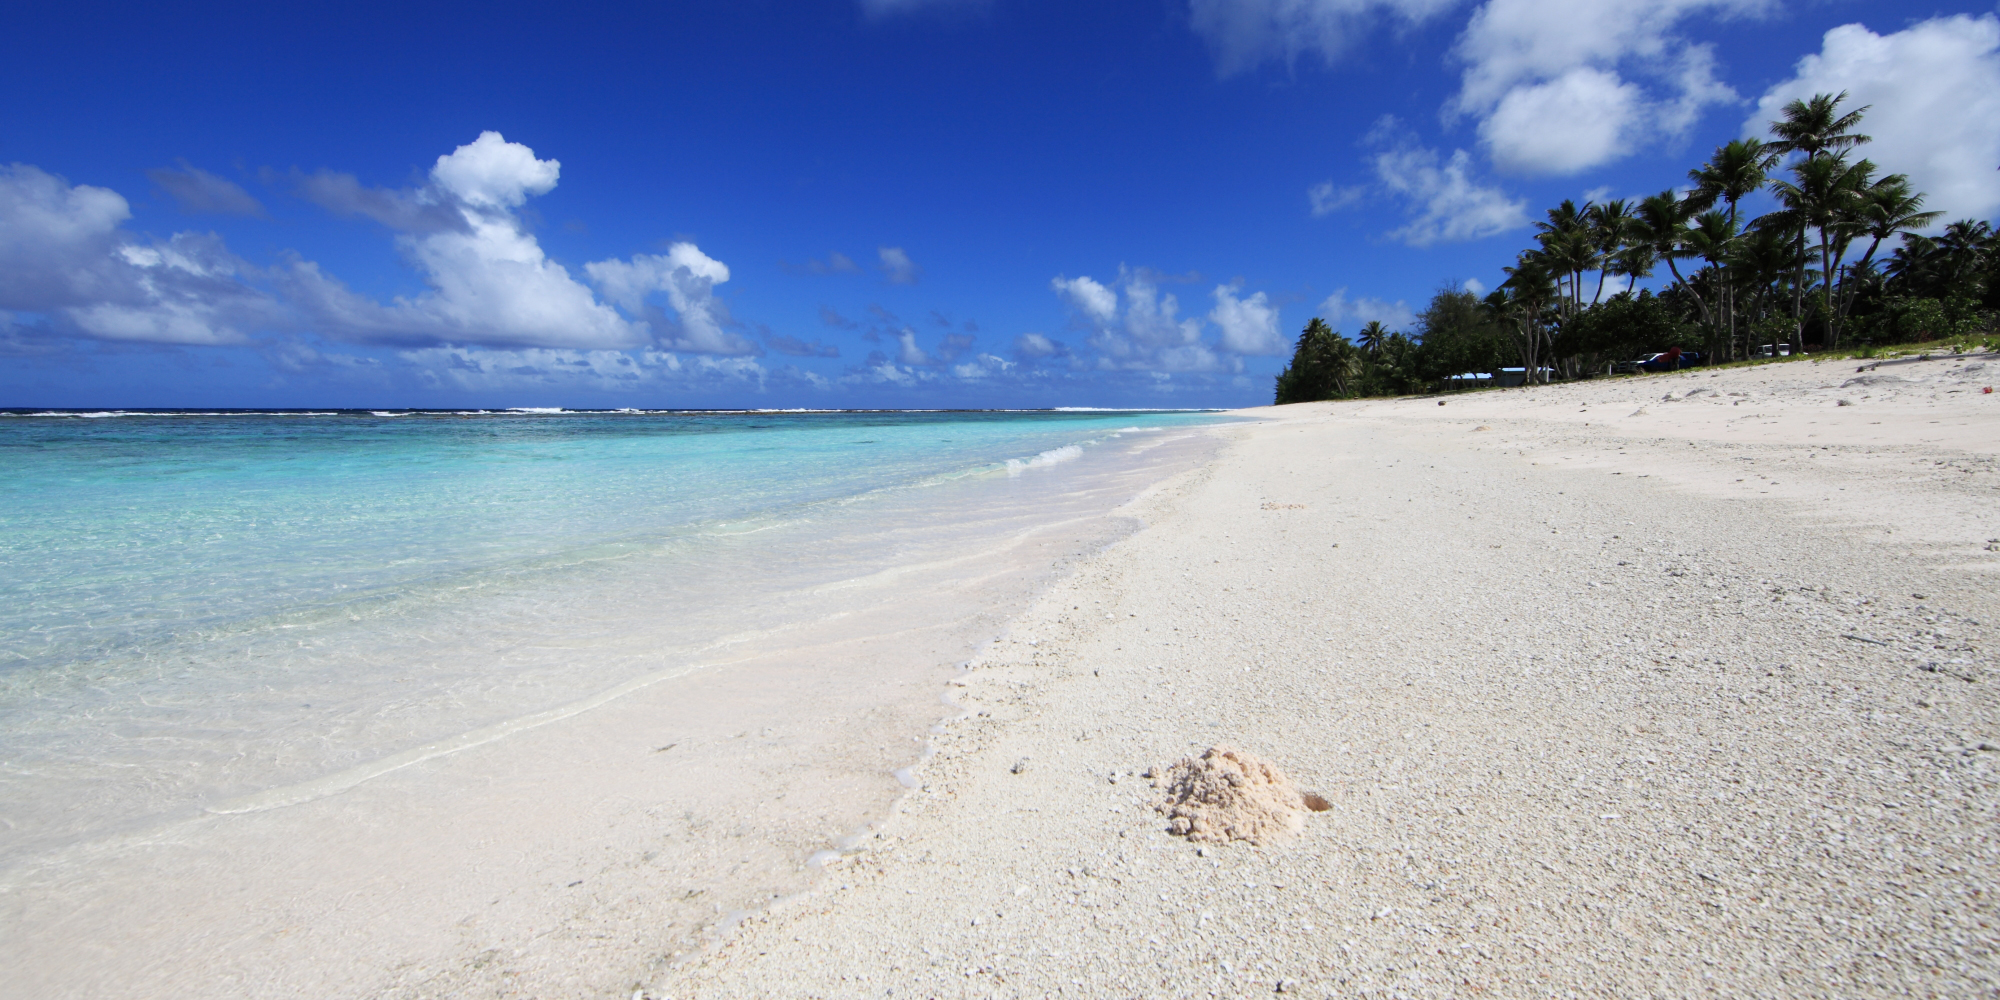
[[1520, 302], [1812, 127], [1371, 336], [1819, 131], [1886, 208], [1612, 225], [1735, 171], [1570, 249], [1713, 238], [1663, 218], [1323, 366], [1634, 261], [1825, 197], [1732, 173], [1764, 256]]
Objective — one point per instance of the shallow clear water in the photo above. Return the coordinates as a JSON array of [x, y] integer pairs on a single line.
[[194, 609]]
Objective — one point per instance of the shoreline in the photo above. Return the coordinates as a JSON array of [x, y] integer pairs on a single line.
[[530, 856], [1606, 732]]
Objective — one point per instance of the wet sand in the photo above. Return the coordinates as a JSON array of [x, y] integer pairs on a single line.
[[1668, 686]]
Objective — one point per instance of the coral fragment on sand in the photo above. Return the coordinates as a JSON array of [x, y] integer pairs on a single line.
[[1228, 795]]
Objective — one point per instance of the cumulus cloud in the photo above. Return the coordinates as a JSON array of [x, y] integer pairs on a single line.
[[1547, 78], [982, 366], [1473, 285], [1248, 325], [688, 278], [491, 173], [832, 317], [897, 266], [1148, 334], [1338, 310], [1245, 33], [199, 191], [1446, 203], [1564, 125], [490, 281], [1933, 92], [1030, 346], [907, 351], [64, 252], [1095, 302]]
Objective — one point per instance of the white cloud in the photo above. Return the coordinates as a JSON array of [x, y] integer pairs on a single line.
[[907, 351], [1933, 92], [1447, 205], [1249, 326], [1244, 33], [982, 366], [489, 172], [1547, 78], [1473, 285], [1326, 199], [1035, 345], [64, 252], [1149, 334], [491, 283], [1567, 124], [688, 277], [1096, 302], [898, 267], [1337, 310]]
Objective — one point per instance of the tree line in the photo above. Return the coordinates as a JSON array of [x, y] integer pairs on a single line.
[[1812, 274]]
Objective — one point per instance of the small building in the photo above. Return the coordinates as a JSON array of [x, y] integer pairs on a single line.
[[1519, 376]]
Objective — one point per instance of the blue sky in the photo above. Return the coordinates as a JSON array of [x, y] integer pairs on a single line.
[[856, 202]]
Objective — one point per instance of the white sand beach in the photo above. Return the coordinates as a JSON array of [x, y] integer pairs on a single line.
[[1663, 686], [1666, 686]]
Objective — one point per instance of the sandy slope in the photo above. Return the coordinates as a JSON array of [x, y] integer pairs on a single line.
[[1616, 691]]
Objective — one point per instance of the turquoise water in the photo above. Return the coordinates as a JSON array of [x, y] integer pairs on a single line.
[[197, 607]]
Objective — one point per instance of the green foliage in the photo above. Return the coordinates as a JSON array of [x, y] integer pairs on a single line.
[[1455, 334], [1916, 320], [1819, 268], [1625, 326], [1323, 362], [1459, 335]]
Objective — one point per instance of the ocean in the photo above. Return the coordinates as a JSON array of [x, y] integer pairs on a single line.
[[206, 614]]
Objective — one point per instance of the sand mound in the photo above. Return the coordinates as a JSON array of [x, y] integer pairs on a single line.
[[1231, 795]]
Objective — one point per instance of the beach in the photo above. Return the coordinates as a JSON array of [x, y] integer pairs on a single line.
[[1667, 686], [357, 705], [1671, 685]]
